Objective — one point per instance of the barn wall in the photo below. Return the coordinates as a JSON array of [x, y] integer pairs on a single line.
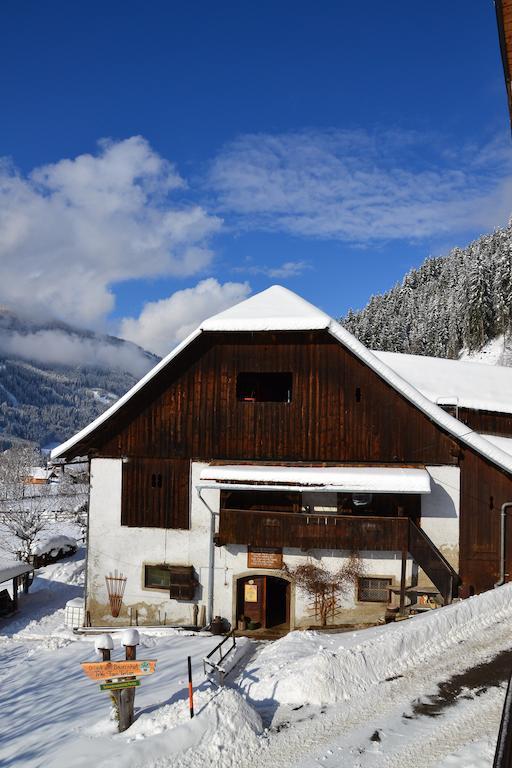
[[484, 488], [440, 512], [190, 411], [340, 410], [487, 422]]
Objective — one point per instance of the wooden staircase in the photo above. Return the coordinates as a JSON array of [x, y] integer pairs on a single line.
[[423, 550]]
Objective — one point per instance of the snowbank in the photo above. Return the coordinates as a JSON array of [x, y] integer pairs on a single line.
[[327, 668], [53, 544]]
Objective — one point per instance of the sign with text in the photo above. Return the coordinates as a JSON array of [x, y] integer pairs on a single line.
[[106, 670], [271, 559], [119, 685]]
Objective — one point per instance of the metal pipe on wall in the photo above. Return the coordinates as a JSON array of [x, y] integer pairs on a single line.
[[211, 557], [503, 537]]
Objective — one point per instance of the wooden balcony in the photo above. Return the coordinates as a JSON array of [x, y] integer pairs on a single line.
[[312, 531]]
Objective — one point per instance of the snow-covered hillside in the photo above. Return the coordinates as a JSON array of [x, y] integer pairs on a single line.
[[449, 305], [54, 379]]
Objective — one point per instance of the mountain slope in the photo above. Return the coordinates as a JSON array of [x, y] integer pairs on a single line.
[[449, 306], [55, 379]]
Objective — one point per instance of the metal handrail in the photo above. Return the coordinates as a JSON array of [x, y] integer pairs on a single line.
[[319, 515], [503, 754], [216, 666]]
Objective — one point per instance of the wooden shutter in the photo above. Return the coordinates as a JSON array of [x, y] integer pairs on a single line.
[[155, 493]]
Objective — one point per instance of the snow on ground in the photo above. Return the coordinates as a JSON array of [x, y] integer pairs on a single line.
[[52, 715], [427, 691]]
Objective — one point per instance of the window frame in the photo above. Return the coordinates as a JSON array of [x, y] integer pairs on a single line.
[[360, 588]]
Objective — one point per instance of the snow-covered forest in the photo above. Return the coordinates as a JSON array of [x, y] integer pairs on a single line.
[[449, 304]]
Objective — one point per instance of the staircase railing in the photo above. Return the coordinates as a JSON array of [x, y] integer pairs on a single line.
[[430, 559]]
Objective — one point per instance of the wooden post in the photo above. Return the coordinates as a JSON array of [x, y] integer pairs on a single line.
[[15, 593], [402, 582], [126, 696], [190, 688]]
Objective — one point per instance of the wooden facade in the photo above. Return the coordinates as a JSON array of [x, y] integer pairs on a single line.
[[487, 422], [340, 412]]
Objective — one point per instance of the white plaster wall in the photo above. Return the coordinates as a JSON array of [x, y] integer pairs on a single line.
[[112, 546], [440, 511]]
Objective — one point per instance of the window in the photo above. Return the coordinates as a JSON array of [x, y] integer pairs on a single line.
[[178, 580], [264, 387], [373, 590], [157, 577]]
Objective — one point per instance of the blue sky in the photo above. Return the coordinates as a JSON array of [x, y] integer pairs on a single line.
[[326, 146]]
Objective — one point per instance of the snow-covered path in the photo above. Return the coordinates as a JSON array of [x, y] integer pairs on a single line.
[[381, 729]]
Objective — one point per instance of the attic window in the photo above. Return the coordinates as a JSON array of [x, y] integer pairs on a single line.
[[264, 387]]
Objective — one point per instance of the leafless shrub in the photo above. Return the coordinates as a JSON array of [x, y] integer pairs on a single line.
[[327, 588]]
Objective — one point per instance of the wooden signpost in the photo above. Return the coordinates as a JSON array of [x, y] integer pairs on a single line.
[[106, 670], [120, 676]]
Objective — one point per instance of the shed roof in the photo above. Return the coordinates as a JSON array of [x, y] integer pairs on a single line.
[[9, 569], [278, 308]]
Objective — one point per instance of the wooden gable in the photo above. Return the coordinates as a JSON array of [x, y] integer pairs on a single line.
[[340, 410]]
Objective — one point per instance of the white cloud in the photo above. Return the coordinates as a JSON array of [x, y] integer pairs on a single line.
[[162, 324], [71, 229], [358, 187], [54, 346], [281, 272]]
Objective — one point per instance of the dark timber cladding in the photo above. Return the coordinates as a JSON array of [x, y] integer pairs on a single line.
[[155, 493], [340, 410], [487, 422], [483, 490]]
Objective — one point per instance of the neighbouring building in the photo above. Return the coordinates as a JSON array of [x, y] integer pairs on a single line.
[[270, 438]]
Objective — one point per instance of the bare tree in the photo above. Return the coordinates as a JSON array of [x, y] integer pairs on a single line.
[[327, 588], [23, 505]]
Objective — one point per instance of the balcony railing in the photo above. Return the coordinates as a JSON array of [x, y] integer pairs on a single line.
[[312, 531], [344, 532]]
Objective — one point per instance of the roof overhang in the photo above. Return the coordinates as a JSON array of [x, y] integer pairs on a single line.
[[11, 569], [333, 479]]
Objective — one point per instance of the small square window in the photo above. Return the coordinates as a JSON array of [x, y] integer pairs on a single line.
[[157, 577], [373, 590], [178, 580]]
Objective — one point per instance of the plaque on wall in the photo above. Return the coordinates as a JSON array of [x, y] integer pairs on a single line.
[[265, 557]]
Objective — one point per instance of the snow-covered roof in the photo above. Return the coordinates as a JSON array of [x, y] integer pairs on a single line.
[[11, 568], [348, 479], [505, 443], [455, 382], [275, 309], [278, 308]]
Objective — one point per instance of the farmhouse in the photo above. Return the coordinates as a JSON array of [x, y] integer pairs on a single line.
[[270, 438]]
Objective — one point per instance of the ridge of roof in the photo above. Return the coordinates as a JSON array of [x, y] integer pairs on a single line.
[[287, 316], [274, 309]]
